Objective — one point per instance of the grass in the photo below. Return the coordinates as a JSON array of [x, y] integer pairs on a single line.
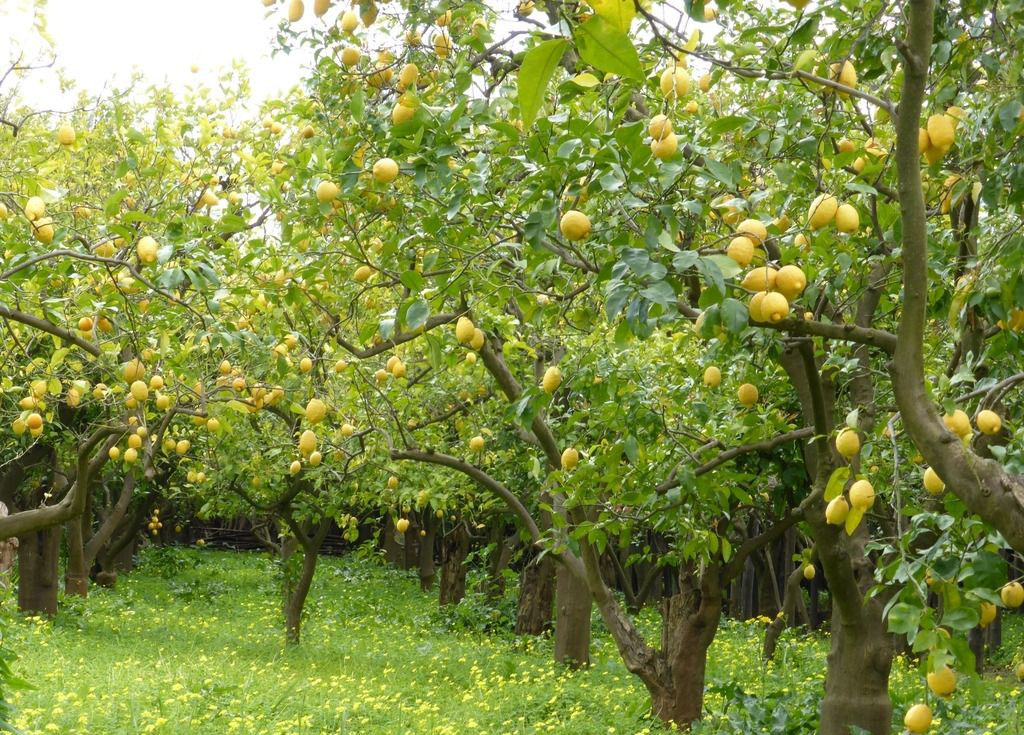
[[192, 643]]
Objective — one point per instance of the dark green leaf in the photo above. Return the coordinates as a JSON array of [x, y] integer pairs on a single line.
[[539, 64]]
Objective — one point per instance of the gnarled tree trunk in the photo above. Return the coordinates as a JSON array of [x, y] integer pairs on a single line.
[[297, 589], [572, 623], [38, 553], [536, 597], [690, 621], [454, 549], [792, 603], [857, 680], [76, 575]]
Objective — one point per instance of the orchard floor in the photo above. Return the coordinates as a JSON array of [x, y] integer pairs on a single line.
[[191, 643]]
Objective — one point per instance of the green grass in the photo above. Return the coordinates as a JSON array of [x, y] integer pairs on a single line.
[[201, 651]]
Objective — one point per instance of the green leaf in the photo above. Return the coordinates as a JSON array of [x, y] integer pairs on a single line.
[[605, 47], [727, 265], [725, 173], [539, 64], [735, 315], [904, 618], [619, 13], [853, 519], [586, 80], [412, 280], [417, 313], [961, 618], [836, 483]]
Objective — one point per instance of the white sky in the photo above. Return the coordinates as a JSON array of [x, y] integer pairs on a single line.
[[100, 41]]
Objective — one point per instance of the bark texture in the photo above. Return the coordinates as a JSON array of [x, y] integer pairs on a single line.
[[572, 623], [38, 553], [536, 596], [454, 549]]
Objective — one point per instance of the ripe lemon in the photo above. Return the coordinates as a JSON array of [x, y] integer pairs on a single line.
[[774, 307], [464, 329], [401, 113], [442, 45], [761, 278], [35, 207], [958, 423], [570, 458], [847, 219], [712, 376], [666, 147], [362, 273], [307, 442], [146, 249], [552, 379], [755, 306], [675, 82], [809, 572], [822, 211], [747, 394], [848, 443], [790, 281], [42, 230], [918, 718], [139, 391], [988, 422], [862, 494], [741, 249], [659, 127], [836, 511], [1012, 594], [754, 229], [932, 482], [66, 135], [326, 191], [349, 21], [941, 132], [847, 76], [476, 443], [385, 170], [574, 225], [316, 410]]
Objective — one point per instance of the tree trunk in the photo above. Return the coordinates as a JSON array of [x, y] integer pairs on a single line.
[[394, 552], [37, 571], [454, 548], [536, 595], [110, 524], [792, 602], [501, 550], [76, 576], [690, 621], [572, 624], [857, 679], [298, 592], [426, 551]]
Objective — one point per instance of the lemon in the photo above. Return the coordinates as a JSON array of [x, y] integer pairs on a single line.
[[747, 394], [574, 225]]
